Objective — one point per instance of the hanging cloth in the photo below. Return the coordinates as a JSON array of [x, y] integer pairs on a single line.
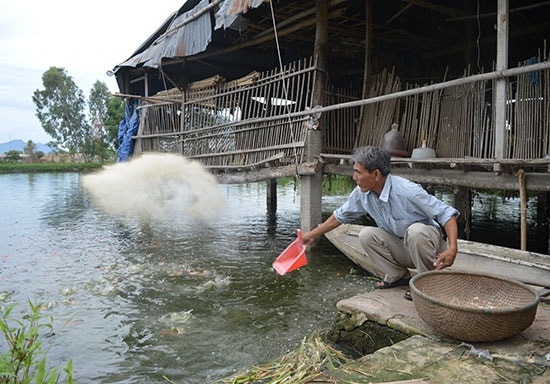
[[127, 128]]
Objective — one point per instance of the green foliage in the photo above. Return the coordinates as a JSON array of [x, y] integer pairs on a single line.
[[95, 143], [60, 107], [25, 360], [115, 113], [81, 126], [12, 156], [334, 185], [29, 151], [54, 147], [48, 167]]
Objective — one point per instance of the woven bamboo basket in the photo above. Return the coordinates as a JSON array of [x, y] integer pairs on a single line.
[[474, 306]]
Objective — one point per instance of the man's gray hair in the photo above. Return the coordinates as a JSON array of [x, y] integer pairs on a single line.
[[371, 158]]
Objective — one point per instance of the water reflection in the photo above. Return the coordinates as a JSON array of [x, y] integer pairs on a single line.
[[192, 301]]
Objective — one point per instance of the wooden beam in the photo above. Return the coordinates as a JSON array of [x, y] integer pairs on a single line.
[[515, 33], [523, 209], [251, 176], [474, 179], [438, 8], [257, 41], [493, 14]]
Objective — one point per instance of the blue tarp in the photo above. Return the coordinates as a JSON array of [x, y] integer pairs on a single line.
[[127, 128]]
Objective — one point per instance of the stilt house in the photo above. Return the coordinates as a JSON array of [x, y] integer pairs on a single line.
[[258, 90]]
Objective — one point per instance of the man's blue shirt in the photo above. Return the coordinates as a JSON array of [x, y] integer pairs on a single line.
[[401, 203]]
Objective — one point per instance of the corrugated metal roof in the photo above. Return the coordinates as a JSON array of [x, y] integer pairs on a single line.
[[231, 9], [190, 32], [184, 36]]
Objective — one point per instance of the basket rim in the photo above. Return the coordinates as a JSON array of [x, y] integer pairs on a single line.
[[433, 300]]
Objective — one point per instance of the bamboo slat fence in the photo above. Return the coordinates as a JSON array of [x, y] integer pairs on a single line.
[[376, 118], [458, 122], [529, 114], [340, 125], [236, 124]]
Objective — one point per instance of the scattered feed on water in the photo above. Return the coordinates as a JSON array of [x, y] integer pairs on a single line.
[[157, 186]]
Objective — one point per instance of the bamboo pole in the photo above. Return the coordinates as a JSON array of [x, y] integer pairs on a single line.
[[523, 209]]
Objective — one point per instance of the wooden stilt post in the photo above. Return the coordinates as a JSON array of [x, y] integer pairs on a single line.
[[312, 185], [271, 202], [543, 215], [271, 195], [523, 209], [463, 202]]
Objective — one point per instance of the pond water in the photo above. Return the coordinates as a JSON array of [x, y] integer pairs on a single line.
[[182, 299]]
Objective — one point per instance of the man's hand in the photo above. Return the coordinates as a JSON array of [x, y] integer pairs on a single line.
[[329, 224], [445, 259]]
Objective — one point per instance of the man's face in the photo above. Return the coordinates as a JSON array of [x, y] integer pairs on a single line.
[[365, 180]]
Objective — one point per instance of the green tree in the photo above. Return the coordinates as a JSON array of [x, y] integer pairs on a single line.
[[60, 107], [54, 148], [29, 151], [12, 156], [116, 111], [97, 107]]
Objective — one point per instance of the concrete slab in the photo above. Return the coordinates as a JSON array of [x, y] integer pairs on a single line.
[[388, 307], [428, 356], [419, 359]]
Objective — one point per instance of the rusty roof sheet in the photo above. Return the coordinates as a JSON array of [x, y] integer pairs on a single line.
[[231, 9], [188, 33]]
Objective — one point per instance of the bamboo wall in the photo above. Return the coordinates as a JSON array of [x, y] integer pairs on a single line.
[[458, 121], [236, 124], [247, 122]]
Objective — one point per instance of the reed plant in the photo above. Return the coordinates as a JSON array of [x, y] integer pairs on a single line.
[[24, 361], [306, 364]]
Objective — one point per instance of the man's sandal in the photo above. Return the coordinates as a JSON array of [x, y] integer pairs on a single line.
[[385, 285]]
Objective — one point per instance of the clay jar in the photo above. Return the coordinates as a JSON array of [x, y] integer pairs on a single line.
[[394, 143]]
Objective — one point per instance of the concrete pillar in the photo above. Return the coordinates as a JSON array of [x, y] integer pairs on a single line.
[[500, 87], [311, 188]]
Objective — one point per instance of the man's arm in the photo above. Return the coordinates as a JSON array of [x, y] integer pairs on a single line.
[[447, 258], [327, 226]]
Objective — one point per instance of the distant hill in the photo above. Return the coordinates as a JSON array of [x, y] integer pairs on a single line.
[[19, 145]]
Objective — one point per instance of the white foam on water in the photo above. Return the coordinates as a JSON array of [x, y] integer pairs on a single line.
[[157, 186]]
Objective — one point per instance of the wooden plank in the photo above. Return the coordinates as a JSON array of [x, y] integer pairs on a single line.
[[250, 176], [474, 179]]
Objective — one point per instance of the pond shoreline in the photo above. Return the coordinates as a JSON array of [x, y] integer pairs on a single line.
[[9, 168]]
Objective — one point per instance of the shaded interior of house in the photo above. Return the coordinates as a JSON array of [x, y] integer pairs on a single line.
[[258, 90]]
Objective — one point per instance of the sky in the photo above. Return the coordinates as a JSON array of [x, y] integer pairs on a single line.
[[87, 38]]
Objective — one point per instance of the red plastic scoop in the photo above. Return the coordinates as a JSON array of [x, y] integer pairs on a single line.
[[293, 257]]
